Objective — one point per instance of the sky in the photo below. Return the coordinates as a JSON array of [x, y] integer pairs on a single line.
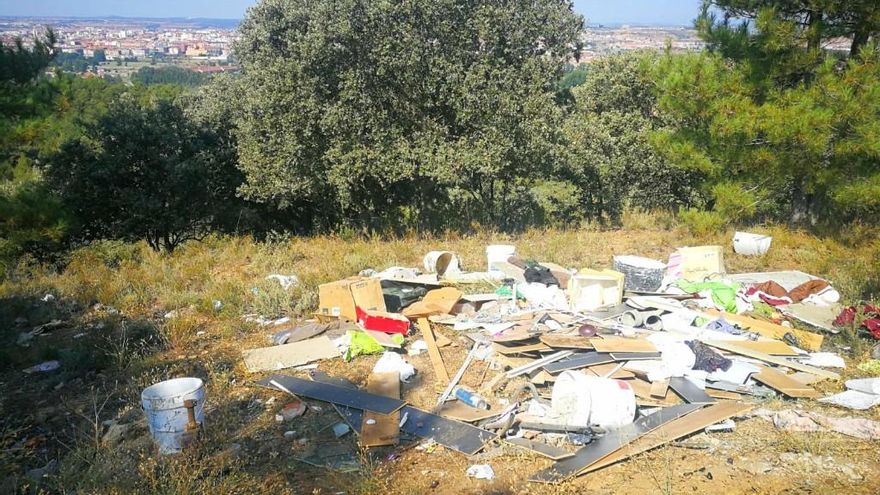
[[667, 12]]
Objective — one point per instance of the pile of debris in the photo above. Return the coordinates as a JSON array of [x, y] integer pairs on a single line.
[[602, 364]]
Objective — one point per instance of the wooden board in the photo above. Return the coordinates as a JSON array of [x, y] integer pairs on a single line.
[[722, 394], [542, 377], [578, 361], [642, 389], [809, 340], [659, 388], [288, 355], [767, 358], [503, 349], [604, 369], [334, 394], [805, 378], [783, 383], [385, 429], [541, 448], [566, 341], [441, 376], [634, 356], [672, 430], [774, 347], [515, 334], [691, 393], [622, 344], [610, 442], [459, 411]]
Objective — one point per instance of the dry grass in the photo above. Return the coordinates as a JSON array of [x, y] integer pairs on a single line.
[[129, 342]]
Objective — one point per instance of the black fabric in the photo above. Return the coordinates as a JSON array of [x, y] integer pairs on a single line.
[[399, 295], [707, 358], [541, 275]]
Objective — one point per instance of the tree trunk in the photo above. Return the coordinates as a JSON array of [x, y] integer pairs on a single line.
[[814, 33], [860, 39]]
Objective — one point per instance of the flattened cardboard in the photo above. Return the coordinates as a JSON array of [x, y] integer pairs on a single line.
[[284, 356], [381, 429], [459, 411], [435, 302]]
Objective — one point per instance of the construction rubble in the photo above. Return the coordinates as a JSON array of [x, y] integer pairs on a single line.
[[583, 367]]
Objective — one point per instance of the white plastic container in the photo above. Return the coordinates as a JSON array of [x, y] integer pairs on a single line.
[[580, 401], [748, 244], [498, 252], [167, 417]]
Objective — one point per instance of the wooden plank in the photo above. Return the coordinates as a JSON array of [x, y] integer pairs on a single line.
[[288, 355], [622, 344], [604, 369], [506, 350], [385, 428], [610, 442], [659, 388], [783, 383], [515, 334], [580, 361], [672, 430], [779, 361], [459, 411], [805, 378], [691, 393], [566, 341], [642, 389], [774, 347], [541, 448], [441, 376], [634, 356], [334, 394], [722, 394], [808, 340]]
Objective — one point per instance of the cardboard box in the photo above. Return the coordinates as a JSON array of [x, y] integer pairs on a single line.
[[700, 262], [590, 290], [339, 298]]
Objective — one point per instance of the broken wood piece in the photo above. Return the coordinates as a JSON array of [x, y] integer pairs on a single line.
[[566, 341], [440, 374], [541, 448], [610, 442], [459, 411], [784, 384], [381, 429], [659, 388], [333, 394], [672, 430], [622, 344], [731, 346], [289, 355], [503, 349], [808, 340]]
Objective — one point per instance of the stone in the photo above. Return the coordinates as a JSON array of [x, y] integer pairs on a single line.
[[115, 434]]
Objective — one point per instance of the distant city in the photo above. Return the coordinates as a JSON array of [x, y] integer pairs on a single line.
[[116, 46]]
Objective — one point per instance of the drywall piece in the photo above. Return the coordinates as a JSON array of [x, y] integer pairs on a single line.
[[773, 347], [578, 361], [673, 430], [691, 393], [334, 394], [541, 448], [730, 346], [783, 383], [509, 270], [821, 317], [613, 440], [808, 340], [459, 411], [440, 374], [622, 344], [787, 279], [566, 341], [381, 429], [284, 356], [659, 389], [538, 363], [383, 339], [634, 356], [507, 350]]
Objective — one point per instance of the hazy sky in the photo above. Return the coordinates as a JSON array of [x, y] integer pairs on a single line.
[[596, 11]]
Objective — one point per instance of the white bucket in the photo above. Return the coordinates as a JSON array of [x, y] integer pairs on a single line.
[[441, 263], [580, 401], [167, 417], [498, 252], [751, 244]]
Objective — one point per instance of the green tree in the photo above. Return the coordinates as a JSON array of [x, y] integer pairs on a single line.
[[144, 171], [370, 112]]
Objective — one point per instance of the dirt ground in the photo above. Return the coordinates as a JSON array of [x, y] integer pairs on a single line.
[[80, 429]]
